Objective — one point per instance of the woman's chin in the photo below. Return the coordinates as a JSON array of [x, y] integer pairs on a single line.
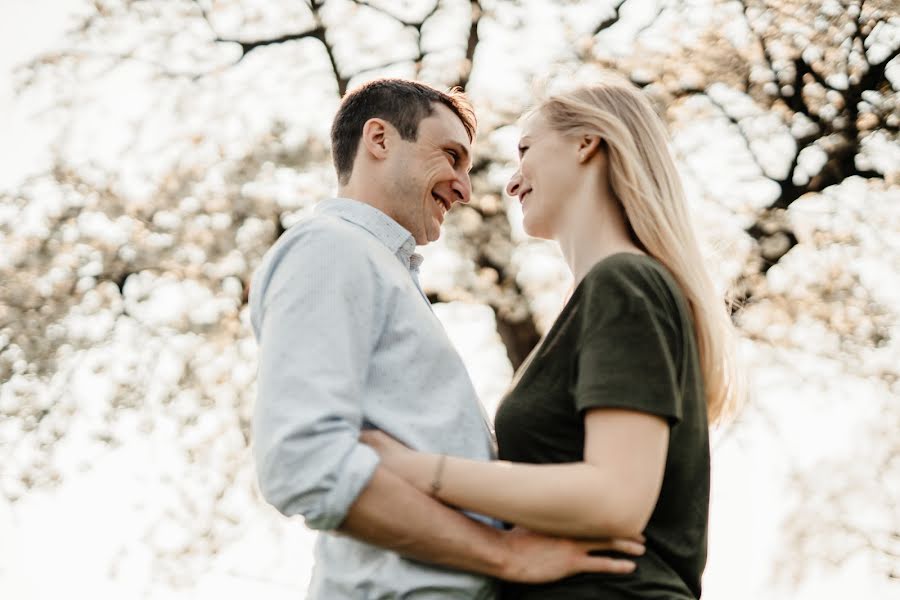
[[535, 230]]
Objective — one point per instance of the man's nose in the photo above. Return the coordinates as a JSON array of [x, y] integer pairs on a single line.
[[462, 189], [515, 183]]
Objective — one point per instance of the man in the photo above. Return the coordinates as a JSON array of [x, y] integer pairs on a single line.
[[348, 341]]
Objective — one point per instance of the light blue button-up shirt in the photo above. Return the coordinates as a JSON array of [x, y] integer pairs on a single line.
[[347, 339]]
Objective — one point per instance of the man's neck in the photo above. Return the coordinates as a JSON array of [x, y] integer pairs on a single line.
[[371, 196]]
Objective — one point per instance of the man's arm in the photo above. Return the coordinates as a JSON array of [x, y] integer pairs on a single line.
[[392, 514]]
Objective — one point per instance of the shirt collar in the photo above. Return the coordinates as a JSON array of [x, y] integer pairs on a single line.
[[388, 231]]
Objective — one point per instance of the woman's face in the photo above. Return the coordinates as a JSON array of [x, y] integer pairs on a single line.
[[546, 178]]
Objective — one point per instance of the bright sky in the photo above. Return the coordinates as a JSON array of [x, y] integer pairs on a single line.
[[28, 28]]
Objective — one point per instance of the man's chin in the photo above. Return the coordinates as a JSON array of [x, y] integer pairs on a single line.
[[431, 234]]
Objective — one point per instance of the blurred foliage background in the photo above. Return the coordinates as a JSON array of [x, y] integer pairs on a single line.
[[188, 135]]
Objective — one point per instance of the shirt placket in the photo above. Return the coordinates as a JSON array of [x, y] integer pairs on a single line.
[[414, 261]]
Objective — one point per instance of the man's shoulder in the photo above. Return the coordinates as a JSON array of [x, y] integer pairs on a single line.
[[324, 229], [316, 249], [324, 237], [315, 243]]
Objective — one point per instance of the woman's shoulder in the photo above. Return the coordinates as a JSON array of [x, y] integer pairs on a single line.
[[625, 278], [627, 272]]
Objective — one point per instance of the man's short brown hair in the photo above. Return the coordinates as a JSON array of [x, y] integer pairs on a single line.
[[401, 103]]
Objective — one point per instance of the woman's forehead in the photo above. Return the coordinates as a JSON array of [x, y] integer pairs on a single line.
[[531, 123]]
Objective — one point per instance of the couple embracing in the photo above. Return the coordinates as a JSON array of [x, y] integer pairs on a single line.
[[367, 425]]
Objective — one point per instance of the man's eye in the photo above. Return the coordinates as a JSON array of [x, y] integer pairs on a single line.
[[454, 156], [522, 150]]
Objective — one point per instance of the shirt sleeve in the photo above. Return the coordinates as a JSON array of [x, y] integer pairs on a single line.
[[627, 346], [313, 310]]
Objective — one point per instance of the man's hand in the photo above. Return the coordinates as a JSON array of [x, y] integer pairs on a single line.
[[536, 558]]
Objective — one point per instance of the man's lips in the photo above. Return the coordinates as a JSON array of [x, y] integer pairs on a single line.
[[522, 196], [442, 201]]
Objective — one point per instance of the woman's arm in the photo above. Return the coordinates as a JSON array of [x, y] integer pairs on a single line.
[[611, 494], [392, 514]]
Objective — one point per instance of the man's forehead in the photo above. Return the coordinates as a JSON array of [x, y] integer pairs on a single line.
[[444, 123]]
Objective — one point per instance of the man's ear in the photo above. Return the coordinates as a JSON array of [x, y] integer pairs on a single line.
[[588, 146], [375, 138]]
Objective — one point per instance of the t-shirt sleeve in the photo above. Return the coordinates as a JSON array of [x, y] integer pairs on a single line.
[[626, 346]]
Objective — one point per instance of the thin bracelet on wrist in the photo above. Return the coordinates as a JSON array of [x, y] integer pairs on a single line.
[[438, 472]]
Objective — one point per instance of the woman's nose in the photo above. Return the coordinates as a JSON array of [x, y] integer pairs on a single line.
[[515, 182]]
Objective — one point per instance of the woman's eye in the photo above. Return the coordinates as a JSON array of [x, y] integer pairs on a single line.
[[522, 150]]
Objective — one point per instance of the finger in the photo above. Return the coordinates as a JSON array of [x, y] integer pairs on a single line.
[[602, 564], [625, 546], [628, 547], [594, 545], [631, 548]]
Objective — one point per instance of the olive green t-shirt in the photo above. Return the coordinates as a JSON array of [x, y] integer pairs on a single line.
[[625, 339]]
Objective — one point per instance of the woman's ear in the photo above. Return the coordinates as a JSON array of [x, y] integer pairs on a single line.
[[588, 146], [374, 137]]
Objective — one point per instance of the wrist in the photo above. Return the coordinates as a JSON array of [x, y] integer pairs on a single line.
[[418, 469], [429, 474], [436, 479], [501, 561], [495, 555]]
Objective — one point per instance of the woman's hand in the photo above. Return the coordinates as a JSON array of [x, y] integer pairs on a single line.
[[415, 467]]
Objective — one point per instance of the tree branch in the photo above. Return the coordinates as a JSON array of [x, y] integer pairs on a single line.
[[741, 131], [315, 6], [384, 11], [607, 23], [415, 25], [471, 45], [876, 76], [797, 103], [759, 40], [249, 46], [651, 22], [802, 68], [205, 16]]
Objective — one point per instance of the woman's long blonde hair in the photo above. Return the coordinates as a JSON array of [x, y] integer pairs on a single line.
[[645, 181]]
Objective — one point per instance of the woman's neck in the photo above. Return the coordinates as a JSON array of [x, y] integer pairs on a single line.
[[593, 231]]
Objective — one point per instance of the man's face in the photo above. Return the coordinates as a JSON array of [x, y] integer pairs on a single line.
[[431, 174]]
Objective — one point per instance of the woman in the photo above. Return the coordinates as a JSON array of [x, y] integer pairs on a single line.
[[605, 430]]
